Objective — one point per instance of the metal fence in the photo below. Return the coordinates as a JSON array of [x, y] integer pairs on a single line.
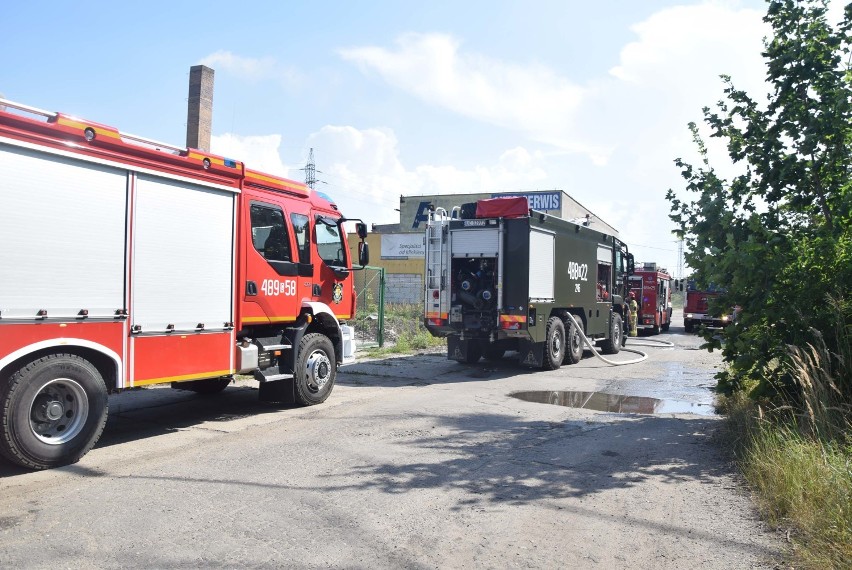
[[389, 306], [369, 311]]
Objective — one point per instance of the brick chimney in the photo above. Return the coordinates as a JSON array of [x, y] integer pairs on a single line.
[[199, 113]]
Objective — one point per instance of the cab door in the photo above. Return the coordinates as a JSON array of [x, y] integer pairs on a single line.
[[300, 221], [271, 292], [332, 276]]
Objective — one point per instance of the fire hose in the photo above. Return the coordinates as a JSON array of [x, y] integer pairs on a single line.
[[643, 356]]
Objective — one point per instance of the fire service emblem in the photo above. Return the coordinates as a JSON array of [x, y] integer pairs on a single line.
[[337, 292]]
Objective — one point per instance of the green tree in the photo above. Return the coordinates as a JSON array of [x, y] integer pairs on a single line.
[[777, 236]]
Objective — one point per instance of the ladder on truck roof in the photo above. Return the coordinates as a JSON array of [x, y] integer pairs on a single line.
[[54, 117], [436, 296]]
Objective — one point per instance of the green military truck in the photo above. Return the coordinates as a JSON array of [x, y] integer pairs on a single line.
[[500, 277]]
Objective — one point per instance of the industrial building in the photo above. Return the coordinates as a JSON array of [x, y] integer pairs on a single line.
[[399, 248]]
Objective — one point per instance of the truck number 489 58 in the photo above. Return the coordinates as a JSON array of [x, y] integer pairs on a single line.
[[274, 288]]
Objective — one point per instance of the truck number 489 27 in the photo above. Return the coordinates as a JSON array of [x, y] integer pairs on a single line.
[[274, 288]]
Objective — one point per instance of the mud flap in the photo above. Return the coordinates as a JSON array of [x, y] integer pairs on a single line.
[[531, 353], [287, 363], [278, 391], [457, 349]]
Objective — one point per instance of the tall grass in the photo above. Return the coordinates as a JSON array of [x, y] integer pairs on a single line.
[[797, 457]]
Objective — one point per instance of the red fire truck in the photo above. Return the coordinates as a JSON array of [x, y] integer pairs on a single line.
[[696, 310], [653, 288], [127, 262]]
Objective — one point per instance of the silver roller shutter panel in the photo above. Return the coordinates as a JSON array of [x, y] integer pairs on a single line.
[[475, 243], [62, 235], [183, 255], [542, 261]]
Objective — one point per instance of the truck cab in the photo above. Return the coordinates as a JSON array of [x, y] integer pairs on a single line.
[[697, 309]]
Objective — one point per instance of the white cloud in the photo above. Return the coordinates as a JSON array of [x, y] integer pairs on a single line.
[[662, 80], [688, 43], [364, 174], [530, 98], [258, 152], [252, 69]]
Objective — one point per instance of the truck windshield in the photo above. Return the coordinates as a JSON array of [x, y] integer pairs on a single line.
[[330, 243]]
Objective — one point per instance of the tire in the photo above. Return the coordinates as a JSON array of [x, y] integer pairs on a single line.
[[474, 352], [665, 327], [573, 343], [494, 354], [613, 344], [554, 344], [52, 411], [658, 318], [688, 326], [316, 369], [206, 387]]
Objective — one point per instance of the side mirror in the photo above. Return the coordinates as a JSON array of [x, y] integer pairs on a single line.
[[363, 253], [631, 264], [361, 229]]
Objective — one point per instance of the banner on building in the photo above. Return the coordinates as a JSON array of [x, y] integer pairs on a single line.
[[402, 246]]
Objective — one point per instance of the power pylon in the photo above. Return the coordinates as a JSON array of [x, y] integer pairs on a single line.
[[311, 171]]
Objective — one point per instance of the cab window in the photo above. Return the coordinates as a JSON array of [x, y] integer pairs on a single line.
[[330, 242], [301, 230], [269, 233]]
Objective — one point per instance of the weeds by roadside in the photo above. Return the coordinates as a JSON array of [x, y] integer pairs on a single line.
[[798, 458]]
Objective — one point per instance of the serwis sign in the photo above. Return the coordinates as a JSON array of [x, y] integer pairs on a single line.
[[414, 213], [538, 200]]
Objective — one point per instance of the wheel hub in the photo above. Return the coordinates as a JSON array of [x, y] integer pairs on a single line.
[[576, 343], [58, 411], [318, 369], [48, 408], [555, 344]]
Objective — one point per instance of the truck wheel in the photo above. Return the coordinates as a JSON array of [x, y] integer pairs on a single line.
[[206, 387], [613, 344], [554, 348], [315, 369], [688, 326], [665, 327], [573, 344], [52, 411]]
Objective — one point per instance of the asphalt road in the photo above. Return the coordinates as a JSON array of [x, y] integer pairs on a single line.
[[413, 462]]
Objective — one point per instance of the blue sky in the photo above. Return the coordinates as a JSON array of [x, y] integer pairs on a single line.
[[409, 97]]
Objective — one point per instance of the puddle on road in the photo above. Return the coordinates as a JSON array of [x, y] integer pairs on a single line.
[[602, 402]]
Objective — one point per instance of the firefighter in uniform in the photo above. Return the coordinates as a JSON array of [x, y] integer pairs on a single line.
[[634, 315]]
